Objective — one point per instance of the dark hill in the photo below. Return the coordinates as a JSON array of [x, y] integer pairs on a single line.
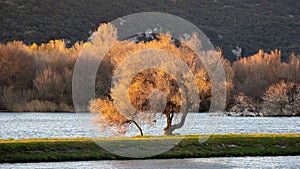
[[253, 25]]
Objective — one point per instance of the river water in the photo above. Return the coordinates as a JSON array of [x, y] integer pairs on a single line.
[[280, 162], [69, 125]]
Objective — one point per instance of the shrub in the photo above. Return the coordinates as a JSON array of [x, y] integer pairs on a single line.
[[244, 105], [16, 65], [35, 106], [9, 96], [282, 98]]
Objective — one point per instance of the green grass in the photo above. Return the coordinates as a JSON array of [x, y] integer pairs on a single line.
[[37, 150]]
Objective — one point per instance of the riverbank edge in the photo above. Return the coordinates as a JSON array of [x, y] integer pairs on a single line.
[[83, 149], [229, 114]]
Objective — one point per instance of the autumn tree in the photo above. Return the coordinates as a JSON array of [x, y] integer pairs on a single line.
[[282, 98], [148, 81], [291, 69], [256, 73], [17, 71], [17, 65], [141, 105], [109, 117], [55, 63], [37, 72]]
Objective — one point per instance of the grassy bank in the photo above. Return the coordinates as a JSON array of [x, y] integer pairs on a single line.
[[37, 150]]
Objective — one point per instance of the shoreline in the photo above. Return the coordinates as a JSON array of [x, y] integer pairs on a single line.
[[229, 114], [82, 149]]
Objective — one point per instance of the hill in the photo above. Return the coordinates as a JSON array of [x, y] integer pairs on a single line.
[[252, 25]]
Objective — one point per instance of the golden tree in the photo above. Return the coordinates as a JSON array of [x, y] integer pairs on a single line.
[[140, 95], [109, 117], [16, 65], [158, 76]]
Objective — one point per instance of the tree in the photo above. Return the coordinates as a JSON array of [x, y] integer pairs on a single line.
[[16, 65], [148, 85], [54, 65], [282, 98], [54, 86], [142, 87], [109, 117], [16, 74]]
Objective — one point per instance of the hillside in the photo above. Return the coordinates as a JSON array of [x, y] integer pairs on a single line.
[[252, 25]]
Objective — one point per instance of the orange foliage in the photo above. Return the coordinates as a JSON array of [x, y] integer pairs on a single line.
[[252, 75], [107, 115]]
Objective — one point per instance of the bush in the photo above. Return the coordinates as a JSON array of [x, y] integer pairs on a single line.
[[40, 106], [10, 96], [243, 105], [282, 98], [16, 65], [35, 106]]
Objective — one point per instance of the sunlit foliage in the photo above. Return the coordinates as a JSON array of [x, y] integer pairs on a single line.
[[33, 72], [254, 74], [42, 74], [145, 82]]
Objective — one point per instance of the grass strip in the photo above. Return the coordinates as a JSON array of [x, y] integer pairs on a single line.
[[75, 149]]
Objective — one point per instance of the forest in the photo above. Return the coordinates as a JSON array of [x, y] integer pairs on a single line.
[[38, 78]]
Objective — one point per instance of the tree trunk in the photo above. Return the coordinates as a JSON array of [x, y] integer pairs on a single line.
[[169, 122], [168, 130], [140, 129], [178, 125]]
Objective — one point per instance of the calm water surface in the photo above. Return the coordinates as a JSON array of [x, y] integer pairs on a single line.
[[281, 162], [67, 125]]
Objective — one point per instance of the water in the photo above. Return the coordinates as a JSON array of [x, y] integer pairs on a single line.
[[67, 125], [286, 162]]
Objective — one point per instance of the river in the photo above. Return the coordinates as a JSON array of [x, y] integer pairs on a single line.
[[67, 125], [280, 162]]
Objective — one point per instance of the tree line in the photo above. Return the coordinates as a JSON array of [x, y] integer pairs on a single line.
[[39, 78]]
